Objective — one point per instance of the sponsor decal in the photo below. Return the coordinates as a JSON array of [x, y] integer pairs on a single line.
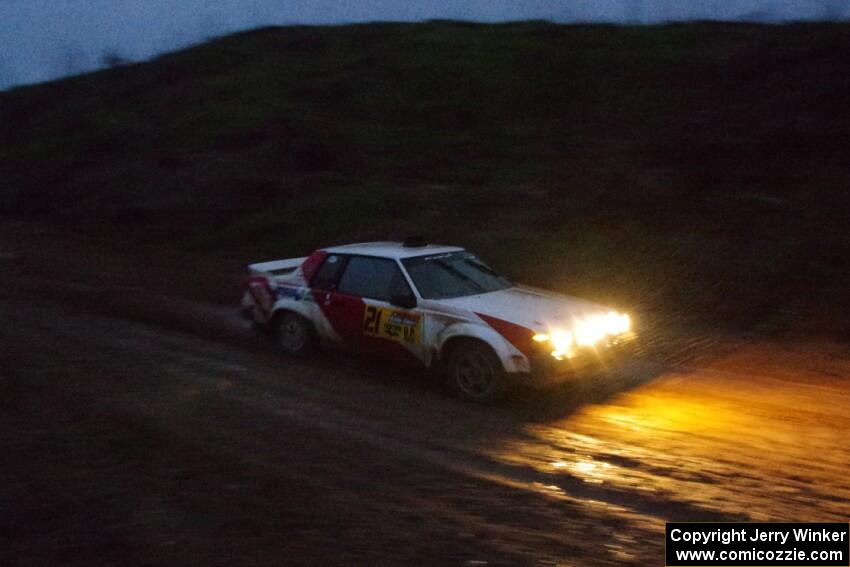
[[388, 323], [436, 257], [294, 293]]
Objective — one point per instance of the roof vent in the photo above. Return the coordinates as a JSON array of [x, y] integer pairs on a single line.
[[414, 242]]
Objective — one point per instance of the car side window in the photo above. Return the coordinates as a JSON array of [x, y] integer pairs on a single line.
[[328, 273], [373, 278]]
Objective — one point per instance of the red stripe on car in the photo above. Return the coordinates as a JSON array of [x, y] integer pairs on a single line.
[[312, 263], [517, 335]]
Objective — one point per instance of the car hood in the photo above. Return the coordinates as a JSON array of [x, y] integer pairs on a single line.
[[535, 309]]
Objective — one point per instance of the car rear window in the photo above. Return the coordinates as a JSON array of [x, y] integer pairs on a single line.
[[374, 278], [328, 273]]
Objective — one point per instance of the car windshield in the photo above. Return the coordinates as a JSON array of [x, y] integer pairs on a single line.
[[456, 274]]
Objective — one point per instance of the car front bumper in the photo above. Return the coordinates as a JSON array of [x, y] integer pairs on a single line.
[[547, 370]]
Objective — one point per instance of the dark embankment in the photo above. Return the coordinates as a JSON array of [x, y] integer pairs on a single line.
[[693, 170]]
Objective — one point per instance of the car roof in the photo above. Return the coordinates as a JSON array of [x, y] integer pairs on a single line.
[[391, 249]]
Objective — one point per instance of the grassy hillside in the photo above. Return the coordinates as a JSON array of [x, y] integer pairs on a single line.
[[700, 169]]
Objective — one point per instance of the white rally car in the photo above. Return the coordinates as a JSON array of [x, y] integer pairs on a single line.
[[435, 305]]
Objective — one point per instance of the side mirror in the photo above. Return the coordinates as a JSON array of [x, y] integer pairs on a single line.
[[405, 301]]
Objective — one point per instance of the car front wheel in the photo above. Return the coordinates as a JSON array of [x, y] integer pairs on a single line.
[[476, 373]]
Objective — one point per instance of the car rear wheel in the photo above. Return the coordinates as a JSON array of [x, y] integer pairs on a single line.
[[294, 334], [476, 373]]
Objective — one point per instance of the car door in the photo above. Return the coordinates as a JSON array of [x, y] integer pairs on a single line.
[[361, 309]]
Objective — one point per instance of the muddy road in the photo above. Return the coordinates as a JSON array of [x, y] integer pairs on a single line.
[[141, 426]]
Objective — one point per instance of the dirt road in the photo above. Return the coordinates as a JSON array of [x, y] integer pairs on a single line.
[[137, 427]]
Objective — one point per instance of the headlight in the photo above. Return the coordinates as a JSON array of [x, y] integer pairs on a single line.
[[586, 332], [589, 331], [617, 323]]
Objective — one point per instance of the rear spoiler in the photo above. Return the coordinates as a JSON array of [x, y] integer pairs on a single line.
[[276, 267]]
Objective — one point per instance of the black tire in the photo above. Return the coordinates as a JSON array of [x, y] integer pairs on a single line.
[[475, 373], [293, 334]]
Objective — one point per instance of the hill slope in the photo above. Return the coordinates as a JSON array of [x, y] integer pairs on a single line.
[[699, 167]]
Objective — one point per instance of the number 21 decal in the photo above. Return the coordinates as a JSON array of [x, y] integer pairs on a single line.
[[372, 324], [390, 324]]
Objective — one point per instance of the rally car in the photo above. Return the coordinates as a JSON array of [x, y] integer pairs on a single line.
[[439, 306]]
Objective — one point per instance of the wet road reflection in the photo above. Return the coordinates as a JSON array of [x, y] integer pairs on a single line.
[[746, 438]]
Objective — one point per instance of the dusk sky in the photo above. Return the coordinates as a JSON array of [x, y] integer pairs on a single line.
[[46, 39]]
